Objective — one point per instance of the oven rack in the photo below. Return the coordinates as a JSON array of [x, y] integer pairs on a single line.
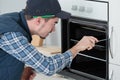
[[92, 57]]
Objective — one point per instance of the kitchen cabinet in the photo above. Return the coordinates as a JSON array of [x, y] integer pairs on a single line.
[[114, 31], [114, 72], [114, 48]]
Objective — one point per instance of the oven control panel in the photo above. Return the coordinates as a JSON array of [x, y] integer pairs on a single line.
[[86, 8]]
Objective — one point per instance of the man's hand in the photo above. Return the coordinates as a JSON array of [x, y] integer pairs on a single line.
[[28, 74], [86, 43]]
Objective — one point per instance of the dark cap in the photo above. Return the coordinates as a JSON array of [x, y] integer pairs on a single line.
[[45, 8]]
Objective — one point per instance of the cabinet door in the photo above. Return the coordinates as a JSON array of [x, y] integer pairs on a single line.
[[114, 56], [114, 72], [114, 31]]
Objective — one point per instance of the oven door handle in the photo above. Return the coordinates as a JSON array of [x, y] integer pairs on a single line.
[[110, 43]]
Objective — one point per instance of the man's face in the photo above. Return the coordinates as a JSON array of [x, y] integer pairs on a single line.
[[46, 26]]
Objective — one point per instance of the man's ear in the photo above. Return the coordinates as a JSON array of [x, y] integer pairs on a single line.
[[38, 20]]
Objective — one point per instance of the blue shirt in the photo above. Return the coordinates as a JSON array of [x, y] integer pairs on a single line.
[[15, 44]]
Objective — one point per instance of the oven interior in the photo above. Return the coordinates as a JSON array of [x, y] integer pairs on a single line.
[[89, 63]]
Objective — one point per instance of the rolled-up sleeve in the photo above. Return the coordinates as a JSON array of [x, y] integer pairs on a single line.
[[15, 44]]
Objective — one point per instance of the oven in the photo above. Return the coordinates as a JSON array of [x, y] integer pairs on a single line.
[[86, 20]]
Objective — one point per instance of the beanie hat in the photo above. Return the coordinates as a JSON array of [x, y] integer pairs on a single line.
[[45, 9]]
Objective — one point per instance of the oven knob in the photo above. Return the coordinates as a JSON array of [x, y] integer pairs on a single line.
[[81, 8], [89, 9], [74, 7]]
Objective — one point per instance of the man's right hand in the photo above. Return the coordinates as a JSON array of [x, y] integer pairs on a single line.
[[86, 43]]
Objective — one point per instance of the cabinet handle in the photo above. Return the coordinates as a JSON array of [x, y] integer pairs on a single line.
[[111, 77], [111, 37]]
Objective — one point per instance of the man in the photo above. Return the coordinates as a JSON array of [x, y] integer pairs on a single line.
[[39, 18]]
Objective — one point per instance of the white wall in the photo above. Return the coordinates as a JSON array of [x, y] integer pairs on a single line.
[[11, 5], [55, 37], [17, 5]]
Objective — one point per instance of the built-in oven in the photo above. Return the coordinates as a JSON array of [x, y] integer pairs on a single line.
[[92, 64]]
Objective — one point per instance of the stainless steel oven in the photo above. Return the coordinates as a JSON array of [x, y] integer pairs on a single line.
[[86, 21]]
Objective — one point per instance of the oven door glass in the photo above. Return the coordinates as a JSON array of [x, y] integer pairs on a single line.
[[77, 31], [89, 67]]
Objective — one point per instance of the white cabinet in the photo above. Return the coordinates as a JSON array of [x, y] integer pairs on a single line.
[[114, 31], [114, 56], [114, 72]]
